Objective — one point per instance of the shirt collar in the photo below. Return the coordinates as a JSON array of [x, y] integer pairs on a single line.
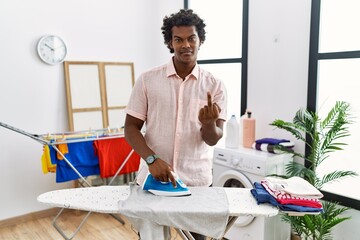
[[170, 70]]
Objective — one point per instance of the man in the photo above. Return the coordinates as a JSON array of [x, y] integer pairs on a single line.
[[184, 108]]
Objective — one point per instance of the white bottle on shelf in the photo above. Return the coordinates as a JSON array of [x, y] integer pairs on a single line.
[[232, 133]]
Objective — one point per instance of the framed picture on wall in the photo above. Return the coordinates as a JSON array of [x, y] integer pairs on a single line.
[[97, 93]]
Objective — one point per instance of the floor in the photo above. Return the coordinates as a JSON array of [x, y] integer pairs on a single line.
[[97, 227]]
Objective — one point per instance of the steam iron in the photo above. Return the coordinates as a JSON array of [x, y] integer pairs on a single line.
[[165, 188]]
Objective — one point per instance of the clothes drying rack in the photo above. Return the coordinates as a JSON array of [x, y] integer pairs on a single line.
[[55, 139]]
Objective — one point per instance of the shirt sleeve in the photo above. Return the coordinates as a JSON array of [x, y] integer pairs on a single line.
[[220, 98], [138, 105]]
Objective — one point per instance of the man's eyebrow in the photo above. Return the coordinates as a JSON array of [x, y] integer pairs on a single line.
[[193, 35]]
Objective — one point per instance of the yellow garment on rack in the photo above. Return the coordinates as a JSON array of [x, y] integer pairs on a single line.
[[63, 148], [47, 165]]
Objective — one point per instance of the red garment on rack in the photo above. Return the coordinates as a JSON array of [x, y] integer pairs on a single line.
[[112, 153]]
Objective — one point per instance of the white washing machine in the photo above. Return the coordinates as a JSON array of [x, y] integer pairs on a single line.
[[241, 168]]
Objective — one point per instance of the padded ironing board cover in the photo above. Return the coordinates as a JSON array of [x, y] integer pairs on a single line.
[[205, 211], [102, 199], [105, 199]]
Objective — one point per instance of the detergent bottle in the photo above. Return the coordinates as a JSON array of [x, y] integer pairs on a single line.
[[248, 127], [232, 133], [241, 129]]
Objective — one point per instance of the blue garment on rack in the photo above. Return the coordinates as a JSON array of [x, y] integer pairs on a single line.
[[82, 156], [53, 158]]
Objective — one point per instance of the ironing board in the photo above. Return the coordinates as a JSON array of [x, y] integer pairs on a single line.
[[105, 199]]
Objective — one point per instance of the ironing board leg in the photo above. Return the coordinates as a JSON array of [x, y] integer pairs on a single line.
[[186, 235], [231, 222], [121, 166], [117, 217], [75, 232], [113, 178]]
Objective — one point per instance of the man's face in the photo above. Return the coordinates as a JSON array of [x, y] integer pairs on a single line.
[[185, 42]]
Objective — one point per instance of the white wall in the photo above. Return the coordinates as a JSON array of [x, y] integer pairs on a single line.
[[32, 94], [278, 61], [277, 73]]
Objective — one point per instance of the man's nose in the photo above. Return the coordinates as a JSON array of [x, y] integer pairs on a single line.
[[186, 44]]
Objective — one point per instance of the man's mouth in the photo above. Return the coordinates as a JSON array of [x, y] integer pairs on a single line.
[[187, 52]]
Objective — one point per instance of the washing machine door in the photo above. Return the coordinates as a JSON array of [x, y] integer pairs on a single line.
[[232, 178]]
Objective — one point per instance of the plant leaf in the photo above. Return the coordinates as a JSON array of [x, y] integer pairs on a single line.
[[336, 176], [294, 129]]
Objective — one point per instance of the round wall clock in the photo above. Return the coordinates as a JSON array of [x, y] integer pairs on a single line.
[[52, 49]]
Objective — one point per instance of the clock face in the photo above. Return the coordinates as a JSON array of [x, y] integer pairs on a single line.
[[52, 49]]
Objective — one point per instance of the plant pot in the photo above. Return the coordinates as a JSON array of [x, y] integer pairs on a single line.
[[294, 236]]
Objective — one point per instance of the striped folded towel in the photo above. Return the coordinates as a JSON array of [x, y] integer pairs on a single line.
[[294, 190]]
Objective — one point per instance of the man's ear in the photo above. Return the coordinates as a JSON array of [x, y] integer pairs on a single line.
[[170, 45]]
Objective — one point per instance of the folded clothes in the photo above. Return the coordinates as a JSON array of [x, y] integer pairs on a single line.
[[283, 197], [273, 141], [261, 196], [296, 186], [296, 208], [271, 148]]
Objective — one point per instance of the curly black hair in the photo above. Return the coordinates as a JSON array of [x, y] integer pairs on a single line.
[[185, 17]]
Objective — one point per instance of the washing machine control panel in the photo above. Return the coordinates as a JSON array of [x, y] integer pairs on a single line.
[[252, 161]]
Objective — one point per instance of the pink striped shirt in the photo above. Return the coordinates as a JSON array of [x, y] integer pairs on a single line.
[[170, 106]]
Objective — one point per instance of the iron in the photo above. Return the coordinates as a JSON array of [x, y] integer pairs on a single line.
[[160, 188]]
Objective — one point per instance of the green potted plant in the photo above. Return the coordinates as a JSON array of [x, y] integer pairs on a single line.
[[324, 137]]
